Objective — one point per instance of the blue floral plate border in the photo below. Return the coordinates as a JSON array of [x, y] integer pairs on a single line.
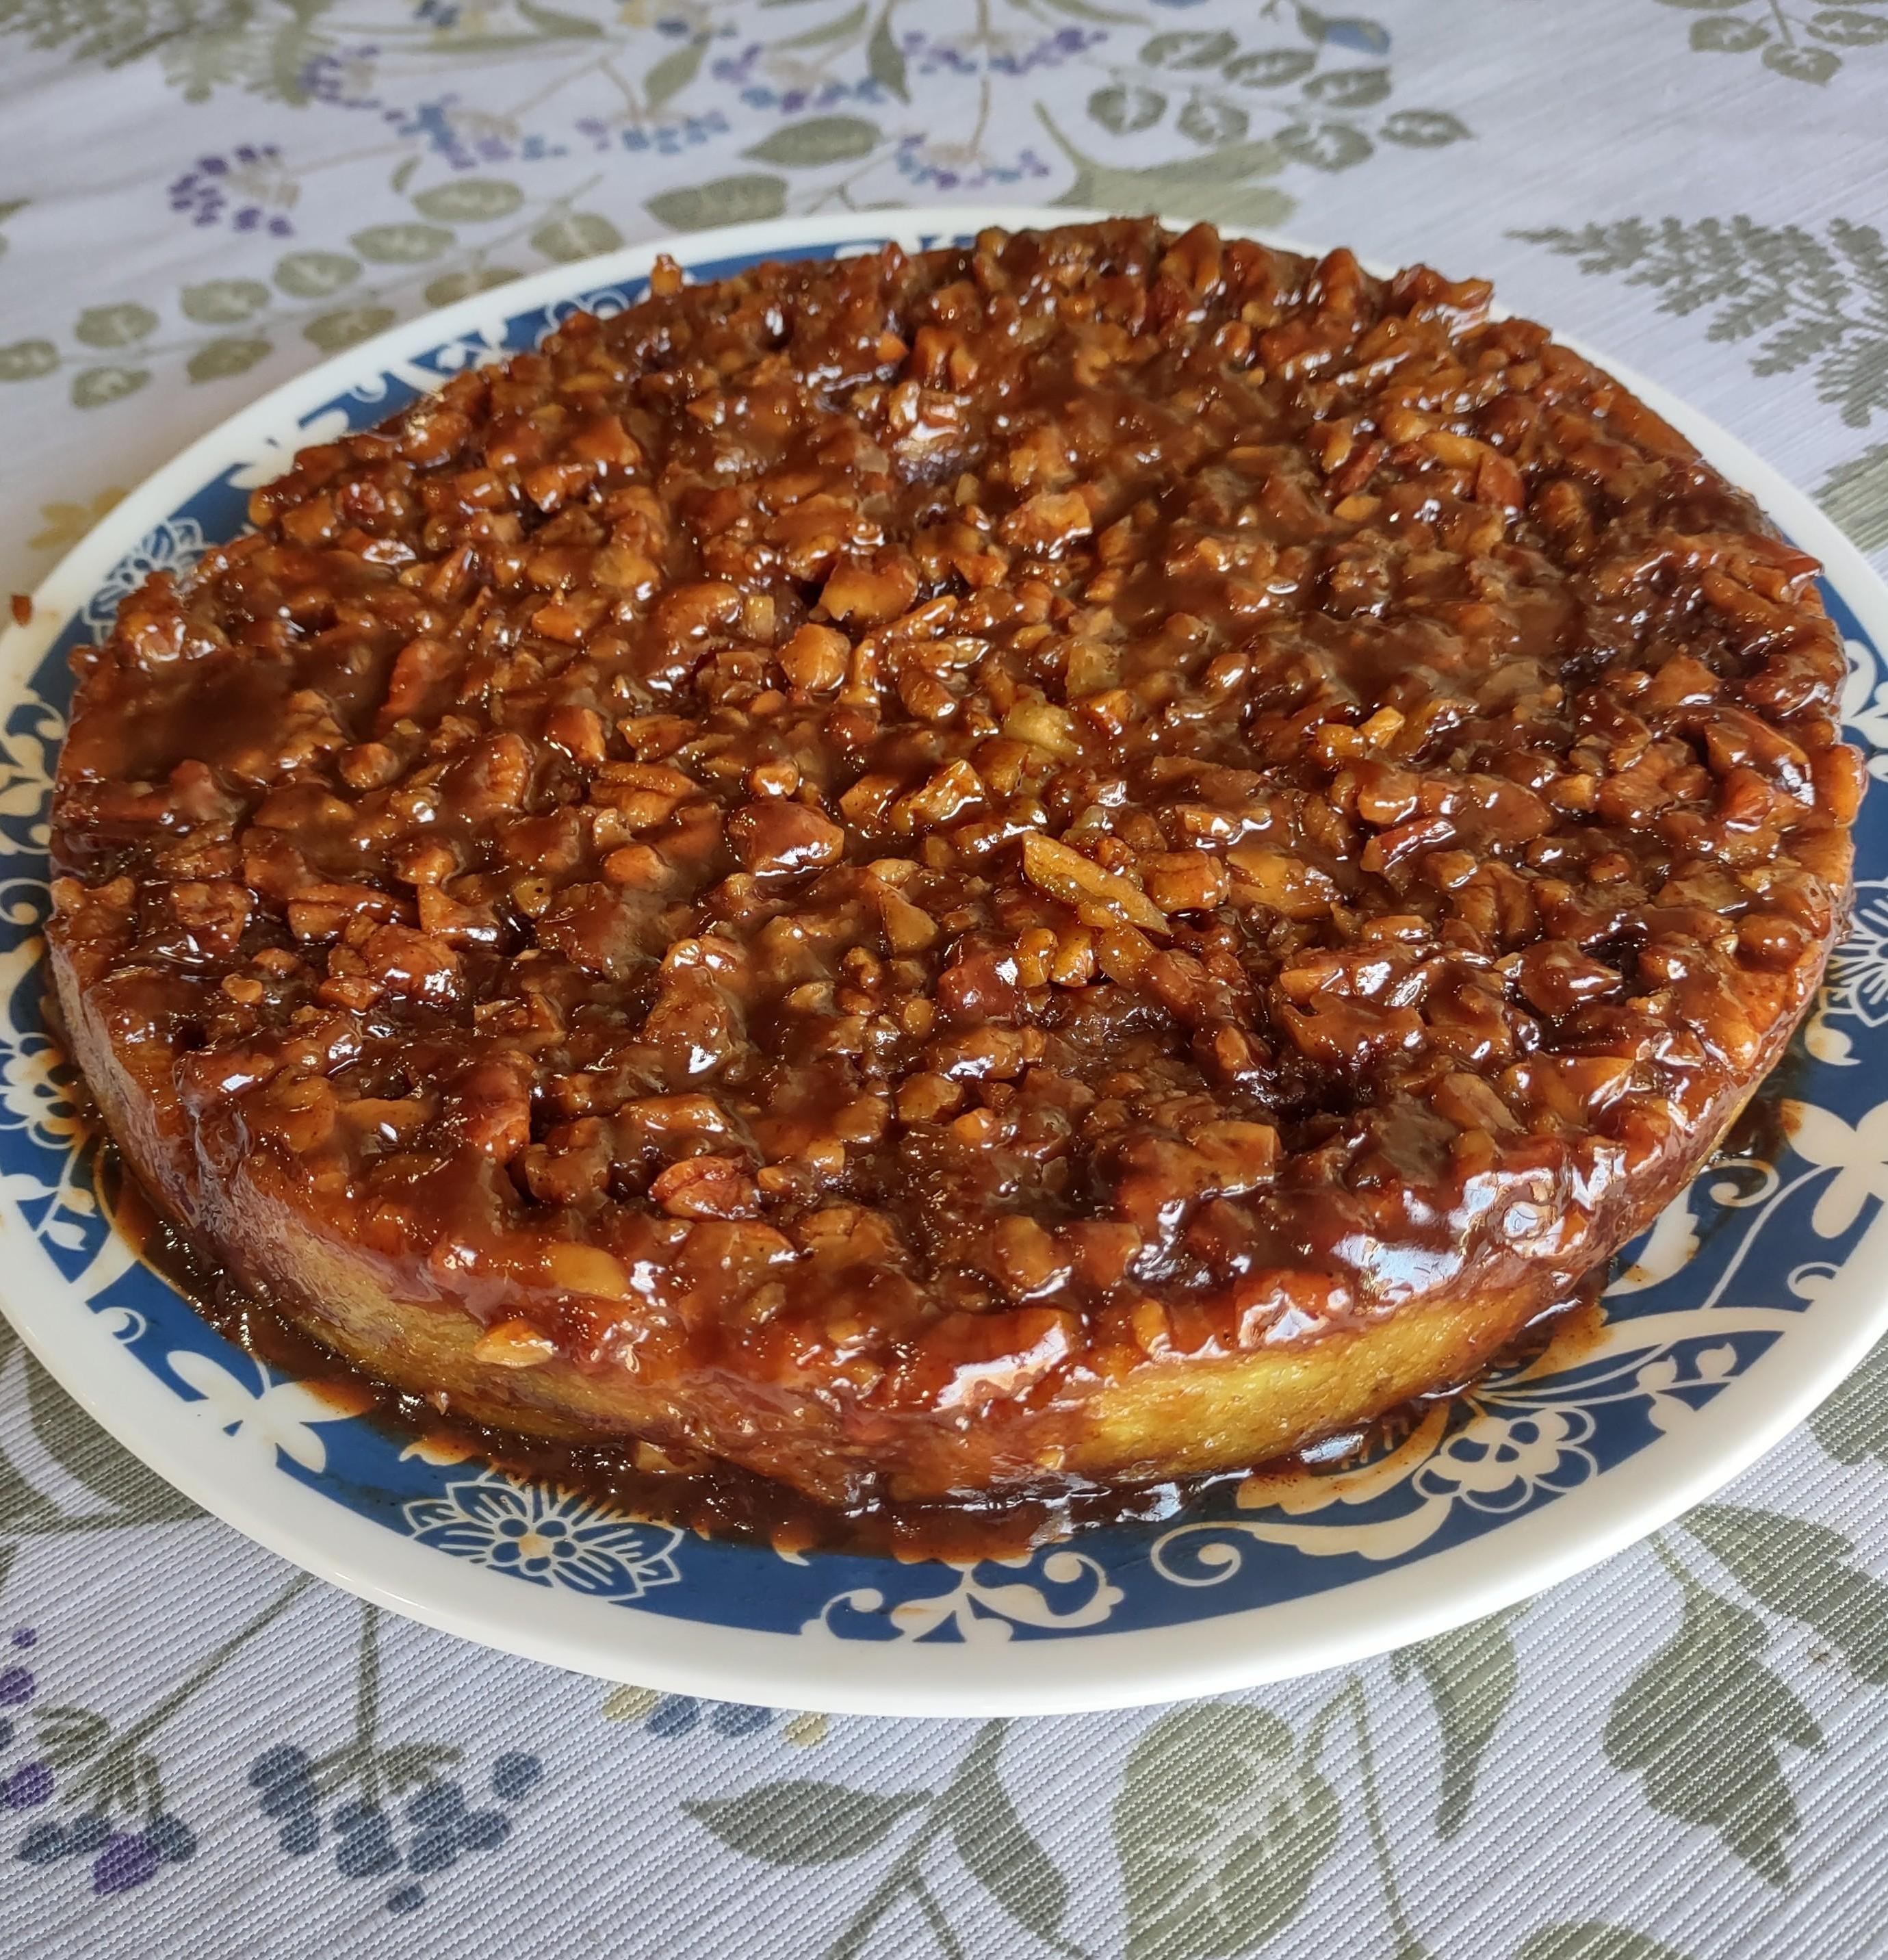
[[1747, 1302]]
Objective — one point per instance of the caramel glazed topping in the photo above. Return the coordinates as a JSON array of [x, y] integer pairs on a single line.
[[922, 833]]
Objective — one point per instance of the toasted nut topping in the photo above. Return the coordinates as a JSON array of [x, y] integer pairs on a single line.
[[578, 1268], [1078, 881], [514, 1344], [873, 851]]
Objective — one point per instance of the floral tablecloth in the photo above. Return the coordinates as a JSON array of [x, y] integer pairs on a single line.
[[203, 1752]]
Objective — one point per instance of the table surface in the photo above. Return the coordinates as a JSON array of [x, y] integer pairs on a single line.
[[1677, 1756]]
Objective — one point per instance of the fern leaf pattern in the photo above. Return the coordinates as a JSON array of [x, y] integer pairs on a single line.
[[1808, 298]]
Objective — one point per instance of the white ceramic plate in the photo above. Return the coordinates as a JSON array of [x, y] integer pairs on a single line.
[[1753, 1298]]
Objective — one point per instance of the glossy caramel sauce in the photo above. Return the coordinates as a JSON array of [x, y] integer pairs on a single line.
[[867, 864], [720, 1500]]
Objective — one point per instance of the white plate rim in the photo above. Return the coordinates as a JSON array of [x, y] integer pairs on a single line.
[[1379, 1612]]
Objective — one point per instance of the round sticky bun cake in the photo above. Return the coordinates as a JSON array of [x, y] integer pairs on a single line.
[[1078, 859]]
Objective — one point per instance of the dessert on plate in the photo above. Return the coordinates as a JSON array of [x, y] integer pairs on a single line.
[[1081, 859]]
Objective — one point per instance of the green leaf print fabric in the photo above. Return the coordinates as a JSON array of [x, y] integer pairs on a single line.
[[1678, 1756]]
